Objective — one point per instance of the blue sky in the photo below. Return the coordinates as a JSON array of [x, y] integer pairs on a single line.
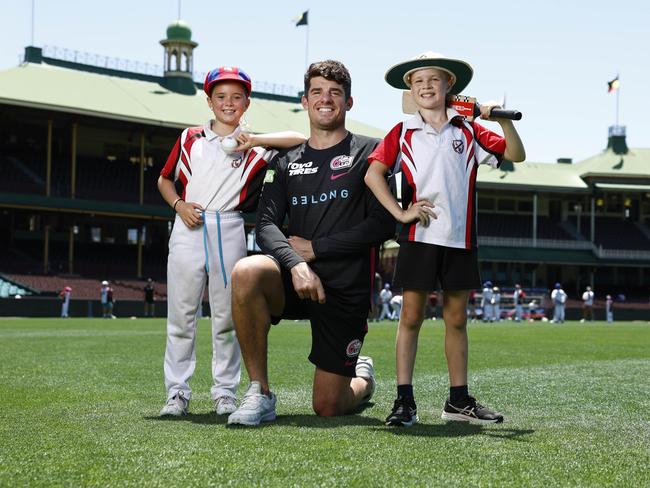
[[552, 58]]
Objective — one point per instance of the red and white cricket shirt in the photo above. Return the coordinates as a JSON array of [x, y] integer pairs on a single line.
[[441, 165], [217, 181]]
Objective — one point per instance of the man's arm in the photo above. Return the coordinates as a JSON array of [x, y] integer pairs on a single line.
[[270, 216], [376, 228]]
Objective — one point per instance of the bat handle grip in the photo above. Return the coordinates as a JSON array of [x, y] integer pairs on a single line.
[[499, 113]]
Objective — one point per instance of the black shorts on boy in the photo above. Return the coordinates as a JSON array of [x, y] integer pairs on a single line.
[[422, 266]]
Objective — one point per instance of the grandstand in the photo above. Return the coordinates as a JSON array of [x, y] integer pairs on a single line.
[[81, 153]]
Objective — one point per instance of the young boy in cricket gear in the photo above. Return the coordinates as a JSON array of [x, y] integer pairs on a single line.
[[221, 170], [439, 154]]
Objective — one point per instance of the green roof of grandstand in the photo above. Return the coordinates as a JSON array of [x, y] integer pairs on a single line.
[[531, 177], [636, 163], [60, 89]]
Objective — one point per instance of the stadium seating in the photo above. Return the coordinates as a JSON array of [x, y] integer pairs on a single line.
[[520, 226], [87, 289], [615, 233]]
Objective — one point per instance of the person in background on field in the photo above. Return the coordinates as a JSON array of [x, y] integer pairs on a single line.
[[106, 313], [486, 302], [149, 299], [609, 309], [518, 297], [377, 286], [587, 305], [532, 305], [385, 296], [396, 305], [471, 306], [496, 304], [65, 295], [558, 297]]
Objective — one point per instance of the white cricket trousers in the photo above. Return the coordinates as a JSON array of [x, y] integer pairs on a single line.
[[211, 251]]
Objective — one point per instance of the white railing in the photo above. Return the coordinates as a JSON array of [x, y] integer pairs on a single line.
[[523, 242], [131, 66], [538, 243], [621, 254]]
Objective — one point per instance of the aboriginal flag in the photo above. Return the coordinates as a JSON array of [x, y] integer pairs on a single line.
[[302, 19], [613, 85]]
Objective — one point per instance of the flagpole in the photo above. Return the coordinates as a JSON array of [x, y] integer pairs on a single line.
[[617, 95], [307, 47]]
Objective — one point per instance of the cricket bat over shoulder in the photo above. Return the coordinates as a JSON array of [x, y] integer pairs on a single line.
[[466, 106]]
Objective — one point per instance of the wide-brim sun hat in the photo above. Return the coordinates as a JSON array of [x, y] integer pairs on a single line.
[[225, 73], [461, 73]]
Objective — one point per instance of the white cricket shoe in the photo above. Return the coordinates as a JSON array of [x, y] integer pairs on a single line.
[[366, 369], [255, 407], [176, 406], [224, 405]]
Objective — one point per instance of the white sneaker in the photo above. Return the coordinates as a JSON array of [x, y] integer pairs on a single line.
[[176, 406], [366, 369], [255, 407], [224, 405]]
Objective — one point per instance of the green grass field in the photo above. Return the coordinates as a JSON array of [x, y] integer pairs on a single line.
[[80, 399]]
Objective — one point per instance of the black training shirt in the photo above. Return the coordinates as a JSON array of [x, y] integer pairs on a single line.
[[326, 200]]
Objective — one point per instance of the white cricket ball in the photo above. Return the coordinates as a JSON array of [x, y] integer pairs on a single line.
[[228, 144]]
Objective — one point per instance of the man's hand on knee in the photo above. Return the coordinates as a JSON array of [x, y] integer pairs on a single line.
[[307, 283]]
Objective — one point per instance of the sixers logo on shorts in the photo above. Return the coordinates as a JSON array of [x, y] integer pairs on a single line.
[[353, 349]]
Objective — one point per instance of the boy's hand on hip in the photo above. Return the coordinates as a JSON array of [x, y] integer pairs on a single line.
[[307, 283], [190, 213], [421, 210], [303, 247]]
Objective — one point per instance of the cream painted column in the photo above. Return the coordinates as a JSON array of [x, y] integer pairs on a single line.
[[71, 250], [139, 263], [48, 160], [141, 168], [73, 163], [534, 219], [46, 249], [592, 216]]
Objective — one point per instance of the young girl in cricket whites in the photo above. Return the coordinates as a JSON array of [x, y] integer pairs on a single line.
[[438, 154], [221, 170]]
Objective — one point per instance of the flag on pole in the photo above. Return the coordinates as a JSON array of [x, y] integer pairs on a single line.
[[302, 19], [613, 85]]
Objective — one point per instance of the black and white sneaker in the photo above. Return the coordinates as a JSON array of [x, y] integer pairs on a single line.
[[471, 411], [404, 414]]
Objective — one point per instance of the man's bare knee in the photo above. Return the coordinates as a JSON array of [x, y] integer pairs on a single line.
[[326, 407]]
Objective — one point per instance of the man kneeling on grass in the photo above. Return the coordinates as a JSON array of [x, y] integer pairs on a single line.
[[323, 271]]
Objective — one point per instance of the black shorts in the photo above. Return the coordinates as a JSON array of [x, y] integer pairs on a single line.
[[338, 326], [422, 266]]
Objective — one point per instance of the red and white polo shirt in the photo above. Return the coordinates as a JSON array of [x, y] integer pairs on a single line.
[[441, 165], [217, 181]]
